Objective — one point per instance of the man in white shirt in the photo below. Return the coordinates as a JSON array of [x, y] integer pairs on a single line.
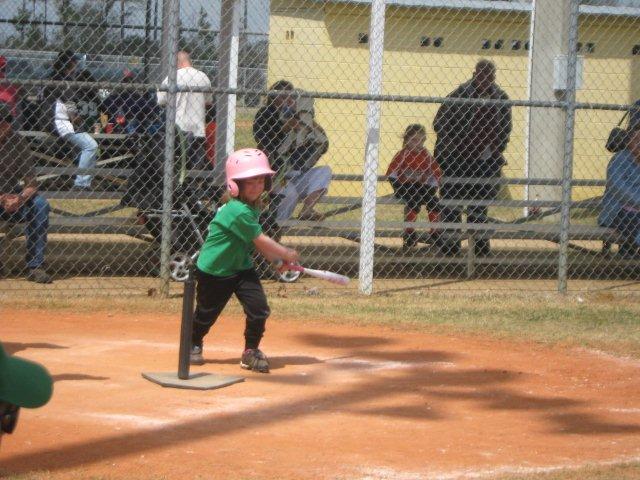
[[190, 108]]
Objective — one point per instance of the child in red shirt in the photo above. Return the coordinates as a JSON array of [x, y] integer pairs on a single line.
[[415, 176]]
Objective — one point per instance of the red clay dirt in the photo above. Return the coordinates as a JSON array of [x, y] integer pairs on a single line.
[[341, 403]]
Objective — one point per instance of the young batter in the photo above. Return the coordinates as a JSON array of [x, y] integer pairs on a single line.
[[225, 265]]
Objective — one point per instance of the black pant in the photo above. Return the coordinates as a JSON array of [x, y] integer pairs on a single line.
[[475, 213], [628, 224], [416, 195], [212, 295]]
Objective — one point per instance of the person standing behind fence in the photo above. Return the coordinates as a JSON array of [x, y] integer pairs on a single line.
[[415, 176], [225, 264], [621, 199], [62, 112], [471, 139], [190, 110]]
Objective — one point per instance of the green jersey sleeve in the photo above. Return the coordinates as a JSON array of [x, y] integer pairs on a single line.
[[246, 226]]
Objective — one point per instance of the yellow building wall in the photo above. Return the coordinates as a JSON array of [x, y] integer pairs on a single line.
[[323, 55]]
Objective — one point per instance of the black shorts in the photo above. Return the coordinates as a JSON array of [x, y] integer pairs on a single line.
[[415, 195]]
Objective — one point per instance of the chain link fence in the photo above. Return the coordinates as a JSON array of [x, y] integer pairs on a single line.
[[416, 142]]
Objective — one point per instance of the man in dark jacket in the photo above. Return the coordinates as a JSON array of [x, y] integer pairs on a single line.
[[470, 141]]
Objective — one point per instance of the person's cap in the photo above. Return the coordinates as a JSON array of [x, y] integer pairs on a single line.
[[5, 113], [23, 383]]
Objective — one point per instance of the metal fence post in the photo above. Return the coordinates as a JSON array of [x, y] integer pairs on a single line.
[[370, 177], [227, 77], [567, 167], [169, 148]]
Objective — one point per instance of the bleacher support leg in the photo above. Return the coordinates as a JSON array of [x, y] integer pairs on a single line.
[[471, 254]]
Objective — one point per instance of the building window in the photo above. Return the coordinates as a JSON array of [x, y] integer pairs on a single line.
[[425, 41], [363, 38], [579, 47], [289, 34], [516, 44], [438, 41], [635, 50], [498, 45], [486, 44], [526, 45], [591, 47]]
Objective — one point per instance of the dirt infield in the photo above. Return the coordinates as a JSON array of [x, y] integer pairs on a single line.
[[341, 403]]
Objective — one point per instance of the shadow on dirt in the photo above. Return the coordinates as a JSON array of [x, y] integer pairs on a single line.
[[363, 381], [11, 348]]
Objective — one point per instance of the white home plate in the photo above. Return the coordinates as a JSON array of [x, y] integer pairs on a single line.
[[196, 381]]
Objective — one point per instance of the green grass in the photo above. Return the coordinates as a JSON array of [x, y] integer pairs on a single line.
[[627, 471], [609, 326], [244, 132], [605, 321]]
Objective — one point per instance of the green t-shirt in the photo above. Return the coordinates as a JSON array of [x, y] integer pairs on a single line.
[[228, 248]]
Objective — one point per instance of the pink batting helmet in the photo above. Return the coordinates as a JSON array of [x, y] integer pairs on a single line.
[[246, 163]]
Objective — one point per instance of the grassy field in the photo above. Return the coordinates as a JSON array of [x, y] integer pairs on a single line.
[[629, 471], [603, 320]]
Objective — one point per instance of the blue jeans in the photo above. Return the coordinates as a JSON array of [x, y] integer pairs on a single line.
[[36, 215], [628, 223], [88, 155]]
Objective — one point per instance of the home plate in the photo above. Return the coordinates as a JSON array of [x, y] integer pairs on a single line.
[[196, 381]]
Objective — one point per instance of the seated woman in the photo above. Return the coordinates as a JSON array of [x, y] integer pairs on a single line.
[[621, 199], [302, 147]]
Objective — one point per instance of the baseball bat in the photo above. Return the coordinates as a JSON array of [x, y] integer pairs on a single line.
[[321, 274]]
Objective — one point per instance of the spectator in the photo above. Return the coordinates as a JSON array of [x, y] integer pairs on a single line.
[[621, 199], [127, 110], [471, 139], [62, 105], [415, 176], [190, 110], [274, 120], [22, 384], [19, 199], [302, 147], [9, 93]]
